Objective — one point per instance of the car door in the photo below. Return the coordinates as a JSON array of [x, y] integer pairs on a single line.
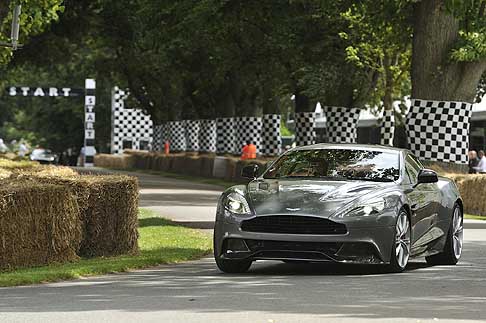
[[423, 199]]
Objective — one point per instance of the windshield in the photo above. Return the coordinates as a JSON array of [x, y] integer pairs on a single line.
[[337, 164]]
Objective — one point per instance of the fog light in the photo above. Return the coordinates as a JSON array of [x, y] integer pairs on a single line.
[[236, 245]]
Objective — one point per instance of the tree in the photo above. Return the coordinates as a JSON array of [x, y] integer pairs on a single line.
[[379, 36], [35, 17], [449, 49]]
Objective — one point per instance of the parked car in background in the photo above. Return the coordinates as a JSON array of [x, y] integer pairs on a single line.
[[43, 156]]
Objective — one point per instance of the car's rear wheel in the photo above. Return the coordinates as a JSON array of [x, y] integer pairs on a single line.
[[233, 266], [453, 246], [401, 246]]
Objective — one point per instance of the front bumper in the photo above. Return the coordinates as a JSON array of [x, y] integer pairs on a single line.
[[366, 244]]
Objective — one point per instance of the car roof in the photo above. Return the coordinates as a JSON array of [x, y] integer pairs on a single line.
[[352, 146]]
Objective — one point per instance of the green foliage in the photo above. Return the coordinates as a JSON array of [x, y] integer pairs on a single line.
[[284, 131], [36, 15], [471, 47], [378, 38]]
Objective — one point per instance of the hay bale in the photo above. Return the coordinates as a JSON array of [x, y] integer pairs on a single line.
[[4, 174], [46, 171], [108, 210], [115, 161], [472, 188], [39, 224], [17, 165], [207, 165]]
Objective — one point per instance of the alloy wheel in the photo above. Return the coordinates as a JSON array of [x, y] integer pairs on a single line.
[[402, 240], [457, 232]]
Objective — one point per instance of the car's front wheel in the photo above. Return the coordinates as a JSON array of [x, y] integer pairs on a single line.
[[453, 246], [401, 245], [233, 266]]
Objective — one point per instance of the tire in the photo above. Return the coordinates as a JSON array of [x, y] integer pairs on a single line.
[[401, 244], [233, 266], [453, 246]]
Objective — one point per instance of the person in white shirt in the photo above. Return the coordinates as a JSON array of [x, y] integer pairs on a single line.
[[481, 168]]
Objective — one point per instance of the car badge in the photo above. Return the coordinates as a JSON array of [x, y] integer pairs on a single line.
[[292, 209]]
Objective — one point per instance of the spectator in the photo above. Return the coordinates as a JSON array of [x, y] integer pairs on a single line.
[[481, 168], [23, 150], [3, 147], [473, 161], [248, 151]]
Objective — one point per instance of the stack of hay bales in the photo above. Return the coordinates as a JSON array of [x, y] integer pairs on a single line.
[[187, 164], [472, 189], [53, 214]]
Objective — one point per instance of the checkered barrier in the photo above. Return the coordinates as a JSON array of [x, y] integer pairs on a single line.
[[176, 136], [271, 139], [157, 139], [248, 128], [439, 130], [225, 135], [192, 134], [207, 136], [387, 129], [341, 124], [305, 122], [128, 125]]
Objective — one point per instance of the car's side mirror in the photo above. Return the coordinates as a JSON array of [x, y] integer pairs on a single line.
[[427, 176], [250, 171]]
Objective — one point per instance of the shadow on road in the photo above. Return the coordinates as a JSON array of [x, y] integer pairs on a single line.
[[448, 292]]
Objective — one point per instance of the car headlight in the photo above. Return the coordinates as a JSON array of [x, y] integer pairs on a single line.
[[372, 207], [236, 203]]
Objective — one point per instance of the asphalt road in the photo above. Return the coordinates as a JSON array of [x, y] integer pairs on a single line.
[[270, 292]]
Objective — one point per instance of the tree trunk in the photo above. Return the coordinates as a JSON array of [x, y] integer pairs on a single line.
[[389, 84], [302, 103], [270, 103], [434, 75]]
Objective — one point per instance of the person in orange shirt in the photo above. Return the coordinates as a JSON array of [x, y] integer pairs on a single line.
[[248, 151]]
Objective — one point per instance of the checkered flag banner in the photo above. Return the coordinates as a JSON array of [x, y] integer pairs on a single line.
[[387, 129], [341, 124], [128, 125], [192, 135], [439, 130], [207, 136], [248, 128], [271, 139], [225, 134], [176, 136], [305, 122]]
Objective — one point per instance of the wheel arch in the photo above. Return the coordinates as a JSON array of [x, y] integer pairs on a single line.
[[461, 204]]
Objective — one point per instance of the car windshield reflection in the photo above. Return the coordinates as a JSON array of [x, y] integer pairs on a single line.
[[337, 164]]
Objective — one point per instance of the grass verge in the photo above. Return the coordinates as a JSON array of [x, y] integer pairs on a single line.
[[160, 241], [474, 217]]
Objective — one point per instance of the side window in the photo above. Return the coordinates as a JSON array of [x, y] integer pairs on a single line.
[[416, 161], [413, 168]]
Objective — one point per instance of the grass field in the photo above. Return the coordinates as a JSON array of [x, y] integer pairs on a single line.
[[474, 217], [160, 241]]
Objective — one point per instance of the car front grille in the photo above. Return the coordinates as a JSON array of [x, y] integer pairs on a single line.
[[293, 224]]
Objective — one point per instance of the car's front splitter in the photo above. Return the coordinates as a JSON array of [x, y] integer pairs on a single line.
[[369, 245]]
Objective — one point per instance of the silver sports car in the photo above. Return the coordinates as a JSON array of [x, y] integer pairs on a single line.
[[340, 203]]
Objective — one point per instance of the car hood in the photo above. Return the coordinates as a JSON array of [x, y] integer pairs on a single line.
[[306, 197]]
